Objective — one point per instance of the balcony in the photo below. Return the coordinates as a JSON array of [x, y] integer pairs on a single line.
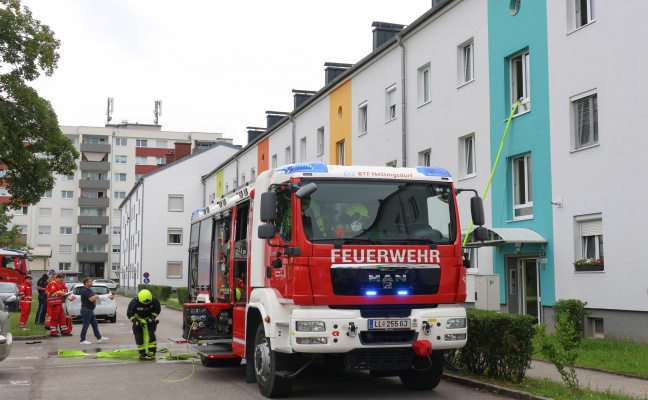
[[89, 238], [87, 220], [92, 257], [94, 202], [94, 166], [94, 184], [95, 147]]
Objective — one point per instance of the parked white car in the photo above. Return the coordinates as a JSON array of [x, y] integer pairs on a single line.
[[112, 285], [106, 306], [5, 333]]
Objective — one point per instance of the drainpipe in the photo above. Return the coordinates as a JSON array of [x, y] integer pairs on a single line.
[[237, 171], [294, 138], [403, 104]]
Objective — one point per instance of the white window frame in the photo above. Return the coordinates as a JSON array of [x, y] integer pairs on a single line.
[[585, 120], [320, 141], [121, 141], [67, 212], [589, 236], [425, 158], [44, 230], [252, 174], [468, 62], [176, 203], [341, 152], [161, 144], [67, 194], [116, 230], [116, 248], [177, 266], [302, 150], [119, 195], [67, 177], [363, 118], [520, 81], [21, 211], [141, 160], [424, 76], [273, 162], [160, 160], [390, 103], [522, 187], [65, 230], [120, 159], [141, 143], [468, 162], [47, 194], [45, 212], [64, 266], [174, 232], [584, 13], [119, 175], [287, 155]]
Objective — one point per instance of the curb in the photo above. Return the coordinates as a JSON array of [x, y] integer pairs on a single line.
[[503, 391], [603, 371], [34, 337]]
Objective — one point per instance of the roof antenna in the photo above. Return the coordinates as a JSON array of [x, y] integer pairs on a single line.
[[110, 109], [158, 111]]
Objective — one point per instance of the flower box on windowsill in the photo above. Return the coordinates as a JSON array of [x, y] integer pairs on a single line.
[[588, 265]]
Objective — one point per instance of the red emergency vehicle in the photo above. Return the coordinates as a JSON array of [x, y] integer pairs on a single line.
[[13, 266], [360, 267]]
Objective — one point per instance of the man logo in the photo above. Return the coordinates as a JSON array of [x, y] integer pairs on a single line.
[[387, 280]]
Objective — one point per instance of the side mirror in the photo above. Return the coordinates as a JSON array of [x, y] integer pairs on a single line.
[[306, 190], [268, 211], [477, 210], [267, 231], [480, 233]]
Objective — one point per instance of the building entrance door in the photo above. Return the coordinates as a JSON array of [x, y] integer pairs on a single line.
[[523, 287]]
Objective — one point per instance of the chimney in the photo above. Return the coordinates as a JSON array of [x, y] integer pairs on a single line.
[[383, 31], [182, 150], [301, 96], [170, 157], [333, 70], [254, 133], [273, 117]]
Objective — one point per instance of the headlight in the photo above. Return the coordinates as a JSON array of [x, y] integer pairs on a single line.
[[310, 326], [11, 298], [455, 337], [311, 340], [456, 323]]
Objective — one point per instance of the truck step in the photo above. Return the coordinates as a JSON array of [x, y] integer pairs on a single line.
[[212, 349]]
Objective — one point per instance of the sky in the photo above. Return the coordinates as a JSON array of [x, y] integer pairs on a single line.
[[217, 66]]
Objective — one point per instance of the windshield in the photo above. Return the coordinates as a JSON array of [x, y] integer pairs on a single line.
[[7, 288], [380, 212]]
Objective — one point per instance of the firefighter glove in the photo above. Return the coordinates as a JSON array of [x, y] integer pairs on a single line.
[[149, 320]]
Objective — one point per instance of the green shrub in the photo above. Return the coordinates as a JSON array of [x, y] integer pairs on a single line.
[[183, 295], [499, 345], [576, 313], [161, 292], [560, 348]]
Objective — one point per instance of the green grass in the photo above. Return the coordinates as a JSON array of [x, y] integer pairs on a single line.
[[33, 328], [623, 356]]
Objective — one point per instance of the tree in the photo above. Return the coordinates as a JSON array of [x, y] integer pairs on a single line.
[[32, 145]]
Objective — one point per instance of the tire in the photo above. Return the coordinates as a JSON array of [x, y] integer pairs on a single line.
[[113, 319], [266, 363], [219, 362], [425, 378], [250, 373]]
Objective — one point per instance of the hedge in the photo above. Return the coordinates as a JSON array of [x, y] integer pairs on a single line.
[[161, 292], [183, 295]]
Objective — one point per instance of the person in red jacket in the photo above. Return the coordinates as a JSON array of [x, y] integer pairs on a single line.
[[55, 294], [25, 295]]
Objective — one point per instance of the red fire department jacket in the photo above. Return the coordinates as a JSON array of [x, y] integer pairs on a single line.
[[55, 292], [25, 292]]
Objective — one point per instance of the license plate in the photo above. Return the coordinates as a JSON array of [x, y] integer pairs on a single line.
[[387, 324]]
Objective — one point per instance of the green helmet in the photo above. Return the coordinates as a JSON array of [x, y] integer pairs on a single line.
[[144, 296]]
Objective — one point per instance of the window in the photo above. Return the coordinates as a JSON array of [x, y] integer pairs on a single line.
[[468, 73], [92, 212], [288, 155], [116, 213], [273, 163], [160, 160], [116, 248], [174, 269], [120, 159], [44, 230], [174, 236], [94, 140], [116, 230], [141, 143], [120, 177], [522, 188], [340, 152], [4, 192], [176, 202], [120, 195], [425, 158], [597, 327], [67, 194], [585, 111], [65, 266], [66, 230], [141, 160], [92, 248], [423, 76], [243, 181], [226, 187], [47, 194], [320, 141], [114, 267], [67, 177], [302, 150], [252, 174], [44, 212], [161, 144], [584, 12], [390, 103], [467, 157], [67, 212], [392, 164], [121, 141], [65, 248], [362, 119], [520, 82], [284, 215], [590, 232], [22, 211]]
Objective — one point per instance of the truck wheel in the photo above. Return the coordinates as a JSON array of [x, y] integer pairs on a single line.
[[266, 363], [219, 362], [421, 377]]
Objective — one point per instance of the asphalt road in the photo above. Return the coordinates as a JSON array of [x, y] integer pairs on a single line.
[[35, 371]]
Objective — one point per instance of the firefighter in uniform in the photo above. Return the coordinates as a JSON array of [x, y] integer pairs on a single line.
[[55, 294], [25, 293], [142, 312]]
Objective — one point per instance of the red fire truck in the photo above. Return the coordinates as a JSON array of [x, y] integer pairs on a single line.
[[360, 267], [13, 266]]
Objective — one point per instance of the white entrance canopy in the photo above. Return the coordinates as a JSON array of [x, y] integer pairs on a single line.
[[507, 235]]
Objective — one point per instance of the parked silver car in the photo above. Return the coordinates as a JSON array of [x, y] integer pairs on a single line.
[[112, 285], [9, 296], [106, 306], [5, 332]]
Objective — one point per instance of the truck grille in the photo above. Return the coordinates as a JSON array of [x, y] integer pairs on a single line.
[[388, 337], [360, 281], [385, 312], [380, 360]]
